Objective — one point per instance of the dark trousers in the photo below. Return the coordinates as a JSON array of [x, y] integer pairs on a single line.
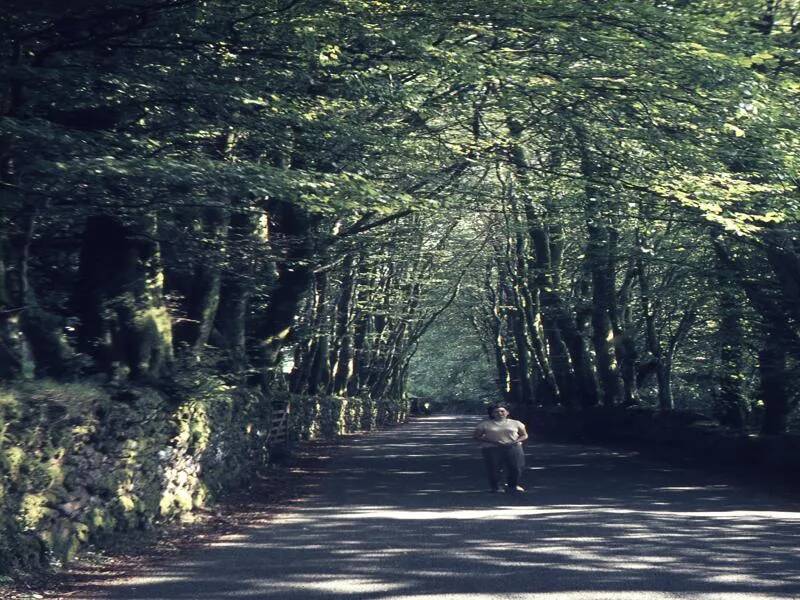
[[510, 459]]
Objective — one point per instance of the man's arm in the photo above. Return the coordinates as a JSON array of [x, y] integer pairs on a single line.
[[523, 433]]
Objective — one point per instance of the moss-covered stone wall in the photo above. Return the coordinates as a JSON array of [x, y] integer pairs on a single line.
[[82, 462], [329, 416]]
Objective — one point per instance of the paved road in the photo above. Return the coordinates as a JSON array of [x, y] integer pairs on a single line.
[[403, 515]]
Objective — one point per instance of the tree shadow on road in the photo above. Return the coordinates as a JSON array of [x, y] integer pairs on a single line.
[[402, 514]]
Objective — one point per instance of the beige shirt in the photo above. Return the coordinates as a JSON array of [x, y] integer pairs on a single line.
[[494, 432]]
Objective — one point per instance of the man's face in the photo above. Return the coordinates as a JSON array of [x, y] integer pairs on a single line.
[[499, 413]]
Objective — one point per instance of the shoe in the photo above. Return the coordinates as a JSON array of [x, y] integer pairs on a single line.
[[515, 490]]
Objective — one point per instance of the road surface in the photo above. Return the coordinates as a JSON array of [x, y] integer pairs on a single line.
[[404, 514]]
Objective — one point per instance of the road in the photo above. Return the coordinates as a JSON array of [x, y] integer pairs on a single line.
[[403, 514]]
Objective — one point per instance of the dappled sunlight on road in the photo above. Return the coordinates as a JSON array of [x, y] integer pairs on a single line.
[[403, 515]]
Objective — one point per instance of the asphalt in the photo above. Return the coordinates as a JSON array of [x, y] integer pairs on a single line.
[[403, 514]]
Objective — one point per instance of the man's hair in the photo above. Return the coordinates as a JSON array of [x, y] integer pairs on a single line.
[[493, 407]]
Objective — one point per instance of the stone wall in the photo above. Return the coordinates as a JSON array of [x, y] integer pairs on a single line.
[[329, 416], [678, 434], [79, 463]]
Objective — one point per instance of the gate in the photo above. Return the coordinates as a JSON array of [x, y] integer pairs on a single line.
[[279, 426]]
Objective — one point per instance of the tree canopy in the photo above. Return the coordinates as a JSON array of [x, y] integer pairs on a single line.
[[602, 195]]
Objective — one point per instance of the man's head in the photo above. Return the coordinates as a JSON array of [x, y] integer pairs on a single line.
[[497, 411]]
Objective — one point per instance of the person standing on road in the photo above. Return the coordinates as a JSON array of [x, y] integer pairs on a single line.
[[501, 445]]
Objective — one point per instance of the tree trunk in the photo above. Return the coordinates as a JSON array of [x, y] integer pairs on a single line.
[[624, 344], [309, 364], [125, 325], [361, 329], [729, 406], [520, 369], [665, 400], [783, 255], [343, 367], [293, 235], [236, 288], [318, 374], [199, 283], [31, 339], [774, 392], [544, 273], [600, 262], [602, 334], [495, 319]]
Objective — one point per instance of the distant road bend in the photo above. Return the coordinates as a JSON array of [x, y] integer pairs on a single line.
[[403, 514]]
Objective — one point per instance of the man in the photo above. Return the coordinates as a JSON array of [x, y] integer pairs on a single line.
[[501, 445]]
